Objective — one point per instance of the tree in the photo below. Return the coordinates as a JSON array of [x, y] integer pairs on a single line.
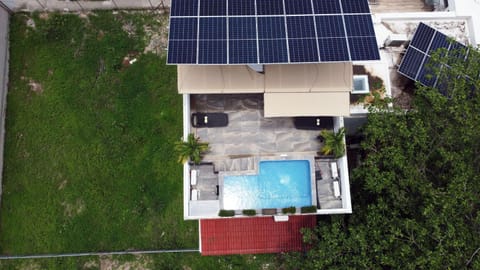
[[333, 142], [416, 195], [191, 149]]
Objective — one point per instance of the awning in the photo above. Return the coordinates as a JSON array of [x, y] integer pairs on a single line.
[[289, 90], [306, 104]]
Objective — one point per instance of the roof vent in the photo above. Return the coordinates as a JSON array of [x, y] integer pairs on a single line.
[[360, 84], [396, 40]]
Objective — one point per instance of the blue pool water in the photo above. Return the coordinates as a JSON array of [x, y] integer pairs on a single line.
[[280, 183]]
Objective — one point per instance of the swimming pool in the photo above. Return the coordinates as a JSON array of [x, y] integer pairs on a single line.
[[279, 183]]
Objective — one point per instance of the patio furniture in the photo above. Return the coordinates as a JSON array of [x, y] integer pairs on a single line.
[[333, 166], [336, 189], [193, 177], [313, 123], [195, 194], [209, 120]]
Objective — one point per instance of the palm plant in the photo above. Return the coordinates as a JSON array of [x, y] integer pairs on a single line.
[[333, 142], [192, 149]]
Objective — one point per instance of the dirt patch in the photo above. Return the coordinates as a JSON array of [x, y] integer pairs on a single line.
[[31, 23], [62, 185], [35, 86], [73, 209], [90, 265], [108, 263], [44, 15], [157, 35], [30, 266]]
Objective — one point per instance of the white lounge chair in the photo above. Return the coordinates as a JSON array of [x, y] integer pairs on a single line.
[[333, 166], [193, 177], [336, 189], [194, 194]]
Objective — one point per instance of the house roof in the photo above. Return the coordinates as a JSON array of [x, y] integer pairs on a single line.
[[290, 90], [252, 235]]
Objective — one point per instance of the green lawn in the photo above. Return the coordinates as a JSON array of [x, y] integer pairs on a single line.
[[89, 162]]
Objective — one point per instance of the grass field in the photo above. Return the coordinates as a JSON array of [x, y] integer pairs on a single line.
[[89, 161], [88, 157]]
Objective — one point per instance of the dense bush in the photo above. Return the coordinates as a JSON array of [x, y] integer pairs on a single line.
[[226, 213], [289, 210], [309, 209], [249, 212]]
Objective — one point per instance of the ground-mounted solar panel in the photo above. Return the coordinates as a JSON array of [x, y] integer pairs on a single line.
[[270, 31], [417, 62]]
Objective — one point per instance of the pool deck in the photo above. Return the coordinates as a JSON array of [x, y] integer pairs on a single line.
[[248, 133], [248, 139]]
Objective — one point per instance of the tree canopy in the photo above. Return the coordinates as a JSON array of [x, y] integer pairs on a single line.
[[416, 194]]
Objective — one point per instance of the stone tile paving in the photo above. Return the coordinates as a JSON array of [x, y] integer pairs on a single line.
[[248, 132]]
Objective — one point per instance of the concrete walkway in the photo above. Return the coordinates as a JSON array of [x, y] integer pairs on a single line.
[[83, 5]]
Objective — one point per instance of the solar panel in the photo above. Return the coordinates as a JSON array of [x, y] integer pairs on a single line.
[[417, 63], [270, 31]]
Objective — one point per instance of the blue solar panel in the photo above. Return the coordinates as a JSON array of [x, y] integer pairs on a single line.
[[213, 28], [411, 63], [359, 25], [242, 51], [427, 73], [271, 27], [242, 28], [212, 51], [355, 6], [183, 28], [298, 7], [270, 7], [182, 51], [417, 63], [273, 51], [213, 7], [363, 48], [317, 31], [329, 26], [439, 41], [241, 7], [301, 27], [303, 50], [333, 49], [184, 8], [422, 38], [326, 7], [457, 50]]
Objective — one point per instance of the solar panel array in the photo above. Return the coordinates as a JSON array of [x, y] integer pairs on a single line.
[[416, 61], [270, 31]]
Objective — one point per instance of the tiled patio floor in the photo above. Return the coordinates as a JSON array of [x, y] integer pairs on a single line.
[[248, 132]]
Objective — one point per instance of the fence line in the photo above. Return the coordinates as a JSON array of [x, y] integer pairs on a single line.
[[84, 5], [84, 254]]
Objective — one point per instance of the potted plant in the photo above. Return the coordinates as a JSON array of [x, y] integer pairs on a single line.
[[192, 149], [333, 142]]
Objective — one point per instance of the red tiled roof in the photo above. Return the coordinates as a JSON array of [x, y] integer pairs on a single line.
[[253, 235]]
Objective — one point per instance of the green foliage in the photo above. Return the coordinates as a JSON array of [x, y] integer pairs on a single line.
[[416, 202], [226, 213], [249, 212], [308, 209], [289, 210], [333, 142], [191, 149]]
